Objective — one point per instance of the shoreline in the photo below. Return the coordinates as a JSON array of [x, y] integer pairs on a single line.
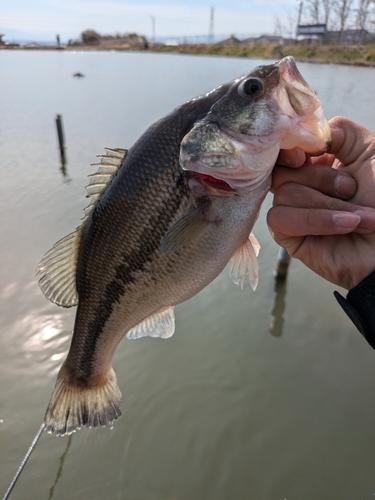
[[353, 55]]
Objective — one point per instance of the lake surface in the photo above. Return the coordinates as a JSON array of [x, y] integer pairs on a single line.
[[240, 404]]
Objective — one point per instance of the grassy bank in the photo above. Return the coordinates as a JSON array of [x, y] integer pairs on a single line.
[[361, 55]]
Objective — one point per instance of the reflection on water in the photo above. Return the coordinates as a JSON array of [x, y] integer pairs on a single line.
[[63, 161], [222, 410], [45, 334], [61, 466], [277, 311], [280, 277]]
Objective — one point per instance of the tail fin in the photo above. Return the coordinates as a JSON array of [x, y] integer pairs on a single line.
[[72, 407]]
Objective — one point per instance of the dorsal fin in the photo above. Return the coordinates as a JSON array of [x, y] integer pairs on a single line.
[[108, 166], [57, 269]]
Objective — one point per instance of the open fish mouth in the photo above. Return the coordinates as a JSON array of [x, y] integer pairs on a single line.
[[290, 74], [213, 182], [309, 128]]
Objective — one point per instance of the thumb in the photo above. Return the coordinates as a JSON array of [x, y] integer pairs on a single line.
[[350, 141]]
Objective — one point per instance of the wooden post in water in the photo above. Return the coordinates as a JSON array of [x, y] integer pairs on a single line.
[[282, 264], [60, 135]]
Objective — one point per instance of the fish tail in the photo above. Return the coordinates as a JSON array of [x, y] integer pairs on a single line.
[[74, 406]]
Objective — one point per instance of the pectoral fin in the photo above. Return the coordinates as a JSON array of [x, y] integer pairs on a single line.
[[190, 226], [255, 243], [244, 261], [160, 324]]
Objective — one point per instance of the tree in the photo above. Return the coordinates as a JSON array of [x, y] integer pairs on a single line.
[[363, 14], [90, 37], [291, 23], [343, 9], [278, 27], [327, 7], [314, 10]]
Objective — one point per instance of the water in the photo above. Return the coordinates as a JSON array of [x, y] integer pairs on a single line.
[[237, 405]]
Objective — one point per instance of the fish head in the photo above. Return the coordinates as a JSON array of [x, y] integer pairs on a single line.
[[265, 110]]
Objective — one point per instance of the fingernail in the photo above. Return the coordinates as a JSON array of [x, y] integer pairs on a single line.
[[345, 185], [346, 220], [367, 218]]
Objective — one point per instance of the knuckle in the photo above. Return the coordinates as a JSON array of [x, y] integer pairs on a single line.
[[311, 218], [273, 217], [286, 193]]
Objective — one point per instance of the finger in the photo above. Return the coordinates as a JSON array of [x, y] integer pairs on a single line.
[[322, 178], [290, 243], [297, 196], [325, 159], [350, 141], [291, 157], [292, 222]]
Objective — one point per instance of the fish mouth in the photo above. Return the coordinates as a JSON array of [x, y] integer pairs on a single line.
[[309, 127], [290, 74], [213, 185]]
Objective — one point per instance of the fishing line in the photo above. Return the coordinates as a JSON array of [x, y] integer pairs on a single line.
[[23, 463]]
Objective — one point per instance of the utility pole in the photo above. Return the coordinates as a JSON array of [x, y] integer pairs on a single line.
[[300, 14], [211, 32]]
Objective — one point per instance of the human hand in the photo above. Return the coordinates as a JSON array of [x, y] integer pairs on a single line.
[[325, 216]]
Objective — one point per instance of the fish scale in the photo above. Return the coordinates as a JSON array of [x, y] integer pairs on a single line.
[[164, 220]]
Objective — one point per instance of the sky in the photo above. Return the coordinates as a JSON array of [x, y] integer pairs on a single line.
[[41, 20]]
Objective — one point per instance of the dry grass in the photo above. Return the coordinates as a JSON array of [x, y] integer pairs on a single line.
[[363, 55]]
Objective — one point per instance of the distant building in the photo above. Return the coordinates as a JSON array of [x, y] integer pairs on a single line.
[[249, 41], [33, 45], [269, 40], [264, 39], [229, 41], [311, 29], [348, 37], [317, 33]]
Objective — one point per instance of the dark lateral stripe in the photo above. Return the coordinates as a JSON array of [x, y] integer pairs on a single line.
[[133, 261]]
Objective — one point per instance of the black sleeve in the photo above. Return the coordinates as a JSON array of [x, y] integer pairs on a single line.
[[359, 305]]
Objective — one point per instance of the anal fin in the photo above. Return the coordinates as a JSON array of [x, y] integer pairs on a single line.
[[244, 261], [160, 324]]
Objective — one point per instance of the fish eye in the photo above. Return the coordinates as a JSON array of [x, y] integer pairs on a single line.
[[253, 87]]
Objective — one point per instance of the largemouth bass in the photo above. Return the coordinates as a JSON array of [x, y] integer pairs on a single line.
[[164, 220]]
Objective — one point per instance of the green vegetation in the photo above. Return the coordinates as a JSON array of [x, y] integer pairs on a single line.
[[362, 55]]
